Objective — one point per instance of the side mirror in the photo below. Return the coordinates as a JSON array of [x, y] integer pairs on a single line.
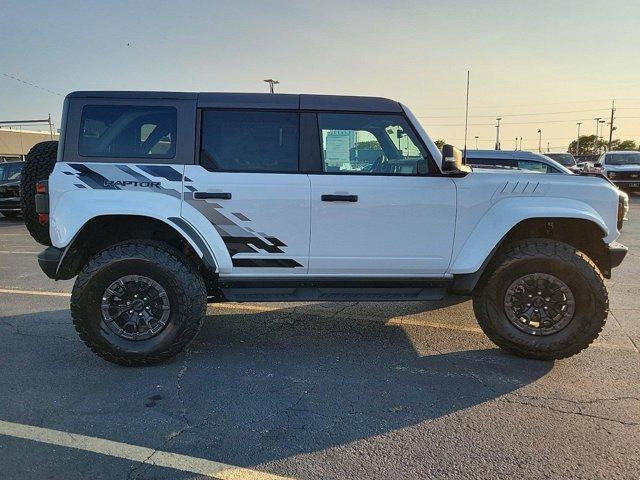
[[597, 165], [452, 161]]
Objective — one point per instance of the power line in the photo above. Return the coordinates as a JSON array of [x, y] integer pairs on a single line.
[[30, 84], [519, 114]]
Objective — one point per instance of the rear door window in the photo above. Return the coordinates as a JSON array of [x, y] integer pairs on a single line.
[[126, 131], [249, 141]]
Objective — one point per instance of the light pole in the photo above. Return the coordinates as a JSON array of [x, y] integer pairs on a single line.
[[578, 139], [271, 83], [540, 140], [520, 143], [498, 133], [601, 122], [516, 143], [595, 142], [476, 137]]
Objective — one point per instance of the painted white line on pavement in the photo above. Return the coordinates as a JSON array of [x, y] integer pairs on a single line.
[[34, 292], [135, 453], [12, 252]]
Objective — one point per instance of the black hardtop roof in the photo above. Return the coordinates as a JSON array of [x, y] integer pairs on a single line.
[[257, 100]]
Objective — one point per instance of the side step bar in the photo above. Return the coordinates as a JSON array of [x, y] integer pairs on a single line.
[[334, 291]]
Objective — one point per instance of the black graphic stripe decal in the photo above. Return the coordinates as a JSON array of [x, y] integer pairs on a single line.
[[265, 262], [163, 171], [91, 178]]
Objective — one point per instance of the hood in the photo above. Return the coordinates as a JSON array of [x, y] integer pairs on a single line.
[[622, 168]]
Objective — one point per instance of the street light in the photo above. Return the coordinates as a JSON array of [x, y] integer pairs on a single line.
[[271, 83], [520, 143], [476, 137], [540, 140], [595, 142], [498, 133], [578, 139]]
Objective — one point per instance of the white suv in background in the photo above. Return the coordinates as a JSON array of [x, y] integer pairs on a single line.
[[622, 168]]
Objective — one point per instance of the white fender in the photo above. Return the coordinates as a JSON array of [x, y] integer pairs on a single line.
[[506, 214], [72, 209]]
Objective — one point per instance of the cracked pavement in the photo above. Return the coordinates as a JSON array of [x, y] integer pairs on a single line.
[[331, 391]]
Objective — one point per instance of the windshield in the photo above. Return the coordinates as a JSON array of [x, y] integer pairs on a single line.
[[623, 159], [10, 171], [565, 159]]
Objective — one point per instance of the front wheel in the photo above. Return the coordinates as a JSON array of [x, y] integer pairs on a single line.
[[543, 299], [138, 303]]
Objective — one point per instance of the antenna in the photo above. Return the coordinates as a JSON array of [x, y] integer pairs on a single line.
[[466, 122]]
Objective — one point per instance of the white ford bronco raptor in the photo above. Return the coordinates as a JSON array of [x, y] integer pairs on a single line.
[[162, 202]]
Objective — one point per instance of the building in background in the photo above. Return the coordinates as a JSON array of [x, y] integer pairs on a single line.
[[15, 144]]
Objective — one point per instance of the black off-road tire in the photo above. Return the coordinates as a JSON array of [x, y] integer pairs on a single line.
[[9, 214], [555, 258], [162, 263], [38, 166]]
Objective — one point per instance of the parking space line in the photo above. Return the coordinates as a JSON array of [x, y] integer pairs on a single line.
[[34, 292], [158, 458], [11, 252]]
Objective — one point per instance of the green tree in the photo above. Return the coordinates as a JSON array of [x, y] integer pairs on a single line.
[[623, 145], [440, 143], [588, 145], [369, 145]]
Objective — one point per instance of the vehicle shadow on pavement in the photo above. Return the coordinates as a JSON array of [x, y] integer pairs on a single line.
[[290, 382], [254, 388]]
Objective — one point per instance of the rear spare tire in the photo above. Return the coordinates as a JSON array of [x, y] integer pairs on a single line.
[[38, 166]]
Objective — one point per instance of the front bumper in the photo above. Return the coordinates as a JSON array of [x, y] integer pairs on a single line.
[[10, 203], [616, 252], [627, 184], [49, 259]]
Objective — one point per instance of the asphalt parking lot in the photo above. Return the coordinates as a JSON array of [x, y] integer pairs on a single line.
[[395, 390]]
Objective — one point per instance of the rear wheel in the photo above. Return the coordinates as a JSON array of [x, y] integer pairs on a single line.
[[543, 299], [138, 303], [37, 166]]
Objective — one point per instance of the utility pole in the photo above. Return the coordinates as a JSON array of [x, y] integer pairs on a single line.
[[548, 147], [578, 139], [50, 127], [595, 143], [476, 137], [498, 133], [539, 140], [611, 127], [271, 83]]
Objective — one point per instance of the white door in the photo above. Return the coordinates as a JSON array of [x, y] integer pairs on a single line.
[[248, 187], [375, 212]]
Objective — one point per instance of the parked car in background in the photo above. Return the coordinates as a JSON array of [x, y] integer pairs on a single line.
[[10, 173], [565, 159], [517, 159], [622, 168]]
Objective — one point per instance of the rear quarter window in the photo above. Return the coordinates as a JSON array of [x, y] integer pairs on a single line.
[[127, 131]]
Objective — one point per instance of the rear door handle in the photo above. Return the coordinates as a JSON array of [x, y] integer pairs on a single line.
[[339, 198], [217, 195]]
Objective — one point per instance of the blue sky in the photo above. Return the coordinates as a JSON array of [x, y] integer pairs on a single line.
[[545, 57]]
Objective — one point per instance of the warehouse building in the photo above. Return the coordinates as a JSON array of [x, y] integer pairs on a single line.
[[16, 143]]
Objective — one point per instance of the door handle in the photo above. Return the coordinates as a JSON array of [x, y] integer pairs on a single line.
[[339, 198], [217, 195]]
